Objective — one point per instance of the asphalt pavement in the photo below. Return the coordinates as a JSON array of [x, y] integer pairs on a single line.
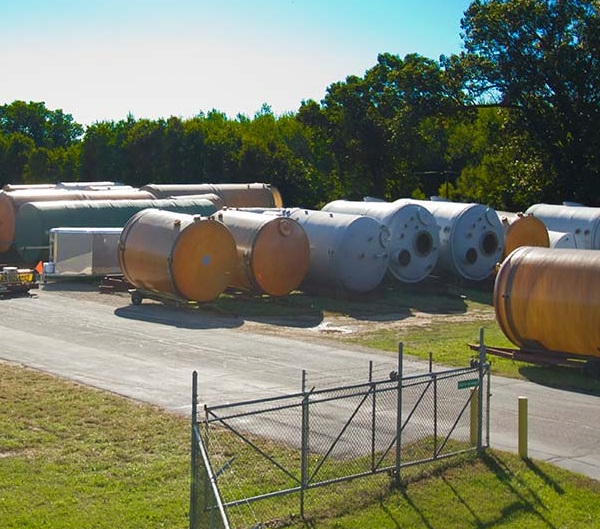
[[149, 352]]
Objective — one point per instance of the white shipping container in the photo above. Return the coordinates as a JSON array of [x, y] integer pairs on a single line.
[[83, 252]]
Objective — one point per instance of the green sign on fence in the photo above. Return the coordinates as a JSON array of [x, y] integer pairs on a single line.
[[469, 383]]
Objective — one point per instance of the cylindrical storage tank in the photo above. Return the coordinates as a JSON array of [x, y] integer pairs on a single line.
[[273, 252], [583, 222], [346, 251], [36, 219], [233, 195], [522, 230], [215, 199], [471, 238], [414, 245], [187, 256], [559, 239], [10, 203], [550, 299]]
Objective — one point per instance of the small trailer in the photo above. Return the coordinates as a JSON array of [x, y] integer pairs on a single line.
[[17, 281]]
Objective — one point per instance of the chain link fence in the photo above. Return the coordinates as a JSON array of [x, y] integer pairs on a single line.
[[265, 460]]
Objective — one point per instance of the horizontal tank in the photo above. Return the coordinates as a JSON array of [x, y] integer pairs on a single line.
[[11, 201], [583, 222], [522, 230], [190, 257], [273, 252], [233, 195], [471, 238], [346, 251], [414, 236], [558, 239], [35, 219], [549, 299]]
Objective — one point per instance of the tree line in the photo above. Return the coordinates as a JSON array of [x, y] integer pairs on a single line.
[[512, 120]]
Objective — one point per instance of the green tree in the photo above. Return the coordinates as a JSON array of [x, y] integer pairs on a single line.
[[47, 128], [541, 58]]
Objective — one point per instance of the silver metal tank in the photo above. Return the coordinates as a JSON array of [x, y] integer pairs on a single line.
[[582, 221], [414, 246], [471, 238], [346, 251], [559, 239]]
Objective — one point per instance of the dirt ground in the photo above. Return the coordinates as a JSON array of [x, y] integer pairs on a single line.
[[308, 318]]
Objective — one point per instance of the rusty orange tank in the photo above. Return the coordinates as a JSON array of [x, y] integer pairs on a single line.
[[273, 252], [186, 256]]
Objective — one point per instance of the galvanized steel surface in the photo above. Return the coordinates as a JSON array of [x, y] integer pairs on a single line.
[[471, 238], [549, 299], [583, 222], [187, 256], [414, 236], [273, 252]]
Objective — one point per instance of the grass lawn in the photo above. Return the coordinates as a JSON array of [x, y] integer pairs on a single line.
[[73, 457]]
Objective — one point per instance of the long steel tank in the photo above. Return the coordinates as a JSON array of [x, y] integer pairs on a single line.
[[233, 195], [471, 238], [559, 239], [549, 299], [190, 257], [522, 230], [414, 245], [583, 222], [273, 253], [35, 219], [348, 252], [11, 202]]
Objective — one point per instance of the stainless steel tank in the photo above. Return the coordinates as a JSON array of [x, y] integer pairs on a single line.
[[414, 245], [233, 195], [549, 299], [273, 252], [583, 222], [559, 239], [471, 238], [187, 256], [35, 219], [346, 251]]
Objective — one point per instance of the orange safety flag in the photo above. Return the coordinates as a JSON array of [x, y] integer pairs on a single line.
[[39, 268]]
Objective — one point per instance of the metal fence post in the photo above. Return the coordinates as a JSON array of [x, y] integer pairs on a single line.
[[304, 449], [194, 456], [373, 414], [397, 479], [481, 365]]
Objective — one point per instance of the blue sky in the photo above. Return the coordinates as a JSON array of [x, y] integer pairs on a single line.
[[102, 59]]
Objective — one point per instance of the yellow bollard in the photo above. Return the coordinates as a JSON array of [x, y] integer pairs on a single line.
[[523, 436], [474, 414]]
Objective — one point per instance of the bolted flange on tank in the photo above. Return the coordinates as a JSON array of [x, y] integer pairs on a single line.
[[187, 256], [471, 238], [346, 251], [414, 236]]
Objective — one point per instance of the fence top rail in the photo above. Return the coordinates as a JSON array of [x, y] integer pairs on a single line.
[[391, 382]]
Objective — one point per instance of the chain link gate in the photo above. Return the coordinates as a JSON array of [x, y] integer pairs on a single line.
[[278, 448]]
